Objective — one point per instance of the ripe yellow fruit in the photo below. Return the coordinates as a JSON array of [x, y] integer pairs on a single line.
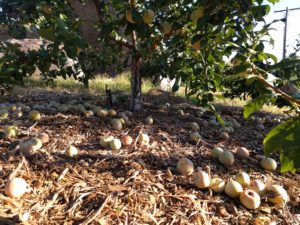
[[43, 137], [201, 179], [250, 199], [148, 16], [185, 166], [257, 186], [126, 140], [115, 144], [144, 139], [195, 137], [233, 189], [149, 120], [34, 115], [197, 45], [112, 113], [166, 28], [17, 114], [15, 187], [129, 17], [242, 152], [104, 141], [36, 143], [3, 114], [194, 126], [216, 152], [217, 185], [226, 158], [197, 14], [71, 151], [117, 124], [101, 113], [268, 164], [11, 131], [243, 178], [276, 194]]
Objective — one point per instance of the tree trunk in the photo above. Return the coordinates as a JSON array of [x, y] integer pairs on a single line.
[[136, 85]]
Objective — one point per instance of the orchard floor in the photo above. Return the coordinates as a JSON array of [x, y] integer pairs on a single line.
[[134, 185]]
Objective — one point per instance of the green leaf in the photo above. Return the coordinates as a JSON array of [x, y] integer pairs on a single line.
[[285, 139], [256, 104]]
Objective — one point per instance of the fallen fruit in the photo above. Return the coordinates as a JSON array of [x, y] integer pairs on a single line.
[[143, 139], [250, 199], [276, 194], [224, 136], [27, 149], [3, 114], [104, 141], [233, 189], [185, 166], [11, 131], [257, 186], [226, 158], [15, 187], [217, 185], [101, 113], [115, 144], [71, 151], [112, 113], [149, 120], [126, 140], [34, 115], [117, 124], [216, 152], [243, 178], [180, 112], [36, 143], [88, 113], [242, 152], [43, 137], [148, 16], [128, 113], [268, 164], [225, 129], [194, 126], [195, 137], [201, 179]]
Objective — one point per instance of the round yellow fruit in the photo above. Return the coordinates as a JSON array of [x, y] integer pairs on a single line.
[[3, 114], [233, 189], [226, 158], [115, 144], [197, 14], [11, 131], [268, 164], [185, 166], [34, 115], [126, 140], [71, 151], [195, 137], [129, 17], [112, 113], [166, 28], [224, 136], [257, 186], [197, 45], [217, 185], [104, 141], [242, 152], [43, 137], [216, 152], [149, 120], [194, 126], [250, 199], [243, 178], [148, 16], [201, 180], [36, 143], [117, 124], [144, 139], [15, 187], [101, 112], [276, 194]]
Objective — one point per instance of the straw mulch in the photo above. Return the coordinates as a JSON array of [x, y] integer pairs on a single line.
[[134, 185]]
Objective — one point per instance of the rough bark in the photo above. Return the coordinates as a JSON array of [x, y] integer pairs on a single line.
[[136, 85]]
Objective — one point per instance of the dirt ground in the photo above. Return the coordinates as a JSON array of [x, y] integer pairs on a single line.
[[133, 185]]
